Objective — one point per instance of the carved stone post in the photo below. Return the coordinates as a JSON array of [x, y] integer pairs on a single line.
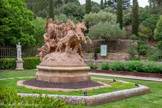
[[19, 61]]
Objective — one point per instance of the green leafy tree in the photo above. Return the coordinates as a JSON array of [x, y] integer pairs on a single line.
[[120, 13], [64, 18], [51, 13], [110, 10], [145, 33], [135, 23], [151, 21], [132, 50], [158, 32], [106, 31], [15, 23], [113, 3], [95, 4], [58, 3], [37, 5], [95, 9], [72, 9], [72, 1], [39, 30], [105, 4], [88, 6], [102, 5], [94, 18]]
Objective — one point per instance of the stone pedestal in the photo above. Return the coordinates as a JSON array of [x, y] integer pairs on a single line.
[[62, 74], [19, 65]]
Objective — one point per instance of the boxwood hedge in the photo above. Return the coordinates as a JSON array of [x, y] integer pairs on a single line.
[[10, 63], [133, 66]]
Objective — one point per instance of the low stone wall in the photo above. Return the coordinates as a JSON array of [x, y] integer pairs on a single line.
[[120, 45], [101, 98], [110, 56]]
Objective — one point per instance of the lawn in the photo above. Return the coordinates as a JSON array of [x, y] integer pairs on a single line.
[[14, 74], [152, 100], [11, 83]]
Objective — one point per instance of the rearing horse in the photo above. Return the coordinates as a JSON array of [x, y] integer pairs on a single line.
[[76, 46]]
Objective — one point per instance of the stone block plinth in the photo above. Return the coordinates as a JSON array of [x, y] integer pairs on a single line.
[[19, 65], [62, 74]]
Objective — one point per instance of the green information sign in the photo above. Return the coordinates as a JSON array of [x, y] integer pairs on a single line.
[[103, 50]]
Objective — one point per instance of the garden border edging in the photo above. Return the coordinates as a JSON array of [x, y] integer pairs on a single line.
[[101, 98]]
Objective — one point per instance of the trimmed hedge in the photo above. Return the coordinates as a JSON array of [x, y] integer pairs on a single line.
[[133, 66], [31, 62], [117, 66], [105, 66], [10, 63]]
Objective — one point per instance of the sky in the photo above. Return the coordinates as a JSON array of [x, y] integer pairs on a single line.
[[142, 3]]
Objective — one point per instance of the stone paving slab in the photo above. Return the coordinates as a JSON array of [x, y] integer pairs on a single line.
[[127, 76]]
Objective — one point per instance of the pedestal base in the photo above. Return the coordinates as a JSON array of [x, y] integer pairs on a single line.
[[63, 74], [19, 65]]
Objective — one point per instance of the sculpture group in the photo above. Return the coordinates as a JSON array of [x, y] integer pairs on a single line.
[[64, 37]]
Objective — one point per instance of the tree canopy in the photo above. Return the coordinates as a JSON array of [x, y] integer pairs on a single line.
[[15, 23]]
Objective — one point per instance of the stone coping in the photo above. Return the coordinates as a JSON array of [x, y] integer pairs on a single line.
[[100, 98], [20, 83], [62, 68]]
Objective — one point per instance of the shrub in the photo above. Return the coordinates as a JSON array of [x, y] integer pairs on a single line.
[[10, 98], [151, 21], [107, 31], [88, 51], [143, 47], [145, 33], [133, 37], [155, 54], [97, 50], [132, 50], [152, 67], [134, 66], [92, 66], [105, 66], [117, 66], [31, 62], [10, 63]]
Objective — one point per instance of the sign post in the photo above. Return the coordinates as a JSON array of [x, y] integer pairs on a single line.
[[104, 50]]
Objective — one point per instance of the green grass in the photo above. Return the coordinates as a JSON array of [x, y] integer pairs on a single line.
[[11, 83], [151, 100], [14, 74]]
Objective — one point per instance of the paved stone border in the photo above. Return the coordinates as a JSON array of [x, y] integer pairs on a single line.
[[101, 98], [20, 83], [127, 76]]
